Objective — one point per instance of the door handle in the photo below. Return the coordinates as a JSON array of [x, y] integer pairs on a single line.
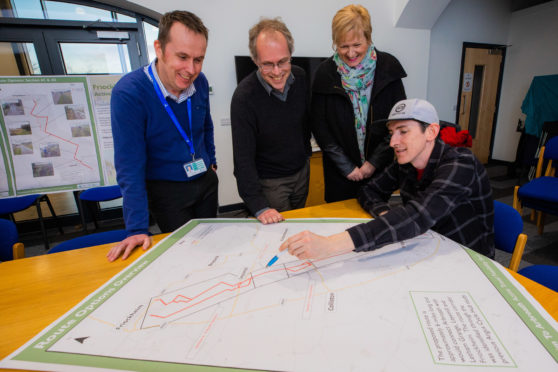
[[463, 104]]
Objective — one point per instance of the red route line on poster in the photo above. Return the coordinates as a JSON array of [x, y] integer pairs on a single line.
[[241, 284], [54, 135]]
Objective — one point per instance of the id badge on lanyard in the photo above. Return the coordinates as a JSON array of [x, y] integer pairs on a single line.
[[196, 166]]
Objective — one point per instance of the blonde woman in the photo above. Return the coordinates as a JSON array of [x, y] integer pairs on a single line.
[[356, 86]]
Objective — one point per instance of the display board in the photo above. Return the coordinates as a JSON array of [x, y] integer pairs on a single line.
[[204, 297], [56, 133]]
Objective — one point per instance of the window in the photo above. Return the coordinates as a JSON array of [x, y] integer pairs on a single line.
[[151, 33], [46, 9], [17, 58], [45, 37]]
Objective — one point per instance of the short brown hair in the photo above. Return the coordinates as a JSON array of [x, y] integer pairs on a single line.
[[351, 17], [268, 25], [188, 19]]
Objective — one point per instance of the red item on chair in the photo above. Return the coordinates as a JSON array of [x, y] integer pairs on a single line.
[[456, 139]]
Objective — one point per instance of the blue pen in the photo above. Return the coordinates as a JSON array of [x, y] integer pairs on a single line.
[[275, 258]]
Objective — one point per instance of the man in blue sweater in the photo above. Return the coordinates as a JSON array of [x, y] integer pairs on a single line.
[[163, 135]]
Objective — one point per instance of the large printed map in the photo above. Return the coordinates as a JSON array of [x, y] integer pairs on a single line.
[[203, 297]]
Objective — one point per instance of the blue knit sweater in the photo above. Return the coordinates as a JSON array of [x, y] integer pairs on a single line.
[[147, 145]]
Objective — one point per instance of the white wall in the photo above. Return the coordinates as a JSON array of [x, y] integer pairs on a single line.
[[477, 21], [310, 23], [533, 51]]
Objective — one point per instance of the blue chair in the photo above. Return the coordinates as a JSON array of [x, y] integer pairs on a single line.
[[546, 275], [90, 240], [508, 233], [540, 194], [95, 195], [10, 247], [9, 206]]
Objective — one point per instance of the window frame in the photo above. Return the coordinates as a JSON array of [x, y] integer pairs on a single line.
[[46, 33]]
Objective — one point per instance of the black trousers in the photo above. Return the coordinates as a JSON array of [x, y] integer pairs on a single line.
[[172, 203]]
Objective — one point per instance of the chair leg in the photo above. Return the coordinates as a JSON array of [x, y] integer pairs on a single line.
[[49, 204], [97, 208], [82, 214], [42, 222], [91, 207], [516, 203], [540, 222]]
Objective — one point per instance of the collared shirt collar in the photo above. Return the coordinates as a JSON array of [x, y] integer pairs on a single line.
[[188, 92], [269, 89]]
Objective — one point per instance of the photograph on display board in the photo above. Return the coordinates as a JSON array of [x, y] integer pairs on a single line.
[[63, 97], [42, 169], [20, 129], [13, 108], [75, 112]]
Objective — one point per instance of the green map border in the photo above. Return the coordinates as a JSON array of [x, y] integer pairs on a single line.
[[3, 150], [37, 350], [539, 326]]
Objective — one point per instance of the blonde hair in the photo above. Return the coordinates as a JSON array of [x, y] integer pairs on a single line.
[[351, 17]]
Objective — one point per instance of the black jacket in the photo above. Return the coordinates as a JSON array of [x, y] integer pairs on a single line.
[[334, 129]]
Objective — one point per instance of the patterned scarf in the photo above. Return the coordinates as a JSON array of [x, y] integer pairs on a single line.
[[355, 81]]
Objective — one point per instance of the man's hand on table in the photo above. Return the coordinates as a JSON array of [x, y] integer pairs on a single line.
[[270, 216], [127, 246], [307, 245]]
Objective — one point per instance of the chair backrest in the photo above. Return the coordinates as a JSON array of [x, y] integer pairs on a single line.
[[546, 275], [551, 149], [103, 193], [18, 203], [548, 154], [8, 237], [90, 240], [508, 232]]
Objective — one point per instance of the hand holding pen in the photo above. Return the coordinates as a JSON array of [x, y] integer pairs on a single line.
[[275, 258]]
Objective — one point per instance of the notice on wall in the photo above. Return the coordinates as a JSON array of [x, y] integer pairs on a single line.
[[56, 133], [467, 82], [100, 88]]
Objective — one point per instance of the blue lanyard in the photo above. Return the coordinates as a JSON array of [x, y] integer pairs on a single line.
[[171, 113]]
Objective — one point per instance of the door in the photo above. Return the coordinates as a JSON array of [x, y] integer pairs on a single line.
[[478, 95]]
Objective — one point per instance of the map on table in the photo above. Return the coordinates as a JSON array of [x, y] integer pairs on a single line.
[[203, 297]]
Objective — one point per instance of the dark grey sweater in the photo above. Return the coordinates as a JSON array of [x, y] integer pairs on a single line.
[[271, 138]]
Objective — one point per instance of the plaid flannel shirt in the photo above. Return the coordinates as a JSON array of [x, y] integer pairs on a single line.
[[453, 198]]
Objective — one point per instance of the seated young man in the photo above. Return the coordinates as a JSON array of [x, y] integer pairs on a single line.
[[443, 188]]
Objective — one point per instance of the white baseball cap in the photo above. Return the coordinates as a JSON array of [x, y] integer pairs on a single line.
[[414, 109]]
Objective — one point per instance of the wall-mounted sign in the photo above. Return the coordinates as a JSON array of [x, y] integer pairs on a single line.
[[467, 82]]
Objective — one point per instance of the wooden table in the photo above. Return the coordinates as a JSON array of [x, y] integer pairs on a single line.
[[36, 291]]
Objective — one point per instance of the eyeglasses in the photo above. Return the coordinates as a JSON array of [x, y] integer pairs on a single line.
[[281, 65]]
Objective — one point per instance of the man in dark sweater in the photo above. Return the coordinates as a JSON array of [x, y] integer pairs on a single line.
[[270, 128], [443, 188]]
